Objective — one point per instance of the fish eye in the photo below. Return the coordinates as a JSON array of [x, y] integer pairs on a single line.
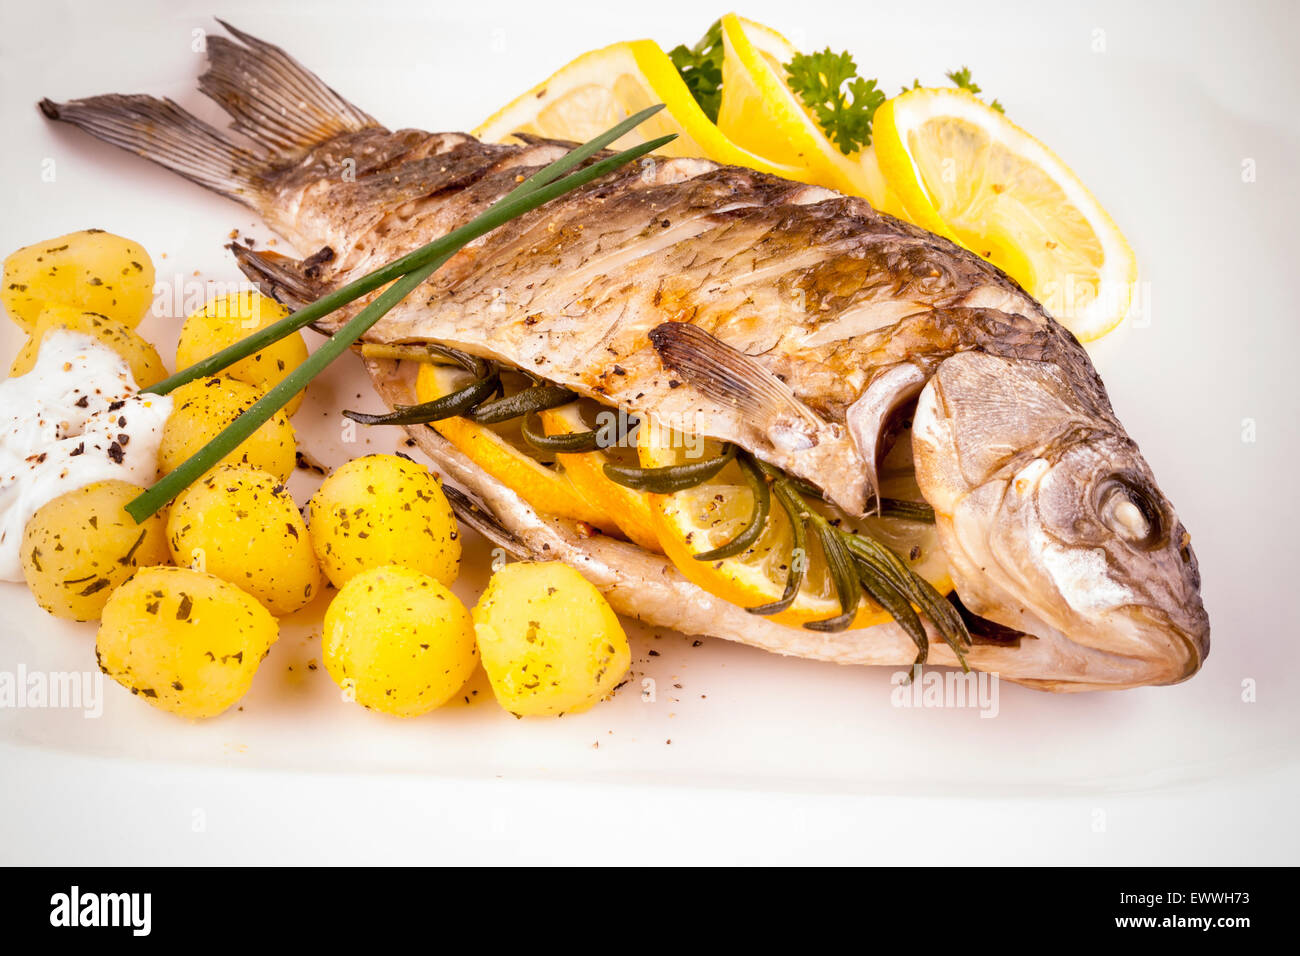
[[1130, 510]]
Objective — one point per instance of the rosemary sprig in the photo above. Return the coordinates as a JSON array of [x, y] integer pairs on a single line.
[[535, 191], [796, 509], [844, 576], [860, 558], [669, 478], [450, 405], [414, 260], [752, 531], [917, 589]]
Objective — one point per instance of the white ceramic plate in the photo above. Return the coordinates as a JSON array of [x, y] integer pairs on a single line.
[[730, 754]]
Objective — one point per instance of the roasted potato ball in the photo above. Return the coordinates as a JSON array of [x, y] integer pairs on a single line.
[[383, 509], [82, 545], [240, 524], [92, 270], [550, 642], [223, 321], [203, 408], [398, 641], [185, 641], [146, 365]]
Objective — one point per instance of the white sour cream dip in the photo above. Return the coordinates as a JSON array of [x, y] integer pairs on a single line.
[[76, 418]]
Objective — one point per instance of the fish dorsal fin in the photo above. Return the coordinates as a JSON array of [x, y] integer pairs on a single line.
[[728, 376]]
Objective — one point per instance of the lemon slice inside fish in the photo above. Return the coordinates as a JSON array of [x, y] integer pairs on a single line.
[[630, 509], [493, 449], [711, 514], [963, 170], [601, 88]]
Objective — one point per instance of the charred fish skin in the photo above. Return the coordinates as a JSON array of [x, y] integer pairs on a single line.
[[837, 316]]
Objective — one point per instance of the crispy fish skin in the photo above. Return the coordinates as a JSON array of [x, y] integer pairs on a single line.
[[830, 318]]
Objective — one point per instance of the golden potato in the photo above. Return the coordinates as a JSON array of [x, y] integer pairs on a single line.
[[240, 524], [204, 407], [398, 641], [383, 509], [82, 545], [92, 270], [223, 321], [550, 642], [185, 641], [146, 365]]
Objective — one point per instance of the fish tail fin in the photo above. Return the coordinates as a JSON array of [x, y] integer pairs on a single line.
[[282, 107], [161, 132], [274, 100]]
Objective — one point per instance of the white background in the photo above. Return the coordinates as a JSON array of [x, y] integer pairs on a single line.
[[1156, 106]]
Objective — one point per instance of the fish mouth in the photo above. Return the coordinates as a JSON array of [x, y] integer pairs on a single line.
[[1145, 647], [1186, 644]]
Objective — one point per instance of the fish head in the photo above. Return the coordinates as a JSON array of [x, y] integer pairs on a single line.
[[1053, 524]]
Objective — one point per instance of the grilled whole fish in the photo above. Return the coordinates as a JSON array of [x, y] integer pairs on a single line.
[[814, 322]]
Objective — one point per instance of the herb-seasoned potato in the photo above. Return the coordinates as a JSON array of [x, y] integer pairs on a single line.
[[399, 641], [79, 547], [383, 509], [185, 641], [223, 321], [92, 270], [146, 365], [550, 642], [240, 524], [204, 407]]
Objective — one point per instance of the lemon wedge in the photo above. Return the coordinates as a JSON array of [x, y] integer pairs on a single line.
[[761, 113], [963, 170], [601, 88]]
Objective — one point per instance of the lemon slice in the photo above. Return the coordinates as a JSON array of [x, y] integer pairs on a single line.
[[763, 115], [546, 489], [965, 171], [630, 509], [601, 88], [711, 514]]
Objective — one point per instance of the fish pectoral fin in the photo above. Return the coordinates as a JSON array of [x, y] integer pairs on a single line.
[[728, 376], [292, 282], [481, 518]]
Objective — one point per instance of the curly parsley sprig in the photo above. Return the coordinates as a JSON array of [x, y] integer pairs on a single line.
[[701, 68], [961, 78], [844, 103]]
